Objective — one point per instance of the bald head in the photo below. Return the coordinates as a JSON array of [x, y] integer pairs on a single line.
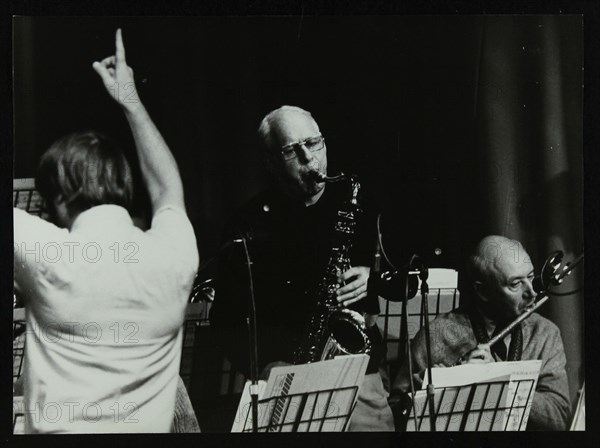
[[502, 274], [491, 254], [292, 127], [282, 118]]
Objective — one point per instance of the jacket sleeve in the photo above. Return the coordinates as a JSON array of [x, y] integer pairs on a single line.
[[551, 409]]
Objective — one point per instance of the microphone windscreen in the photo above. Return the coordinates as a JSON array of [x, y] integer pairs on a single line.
[[395, 286], [537, 284]]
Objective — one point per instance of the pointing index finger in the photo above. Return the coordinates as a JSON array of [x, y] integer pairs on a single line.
[[120, 48]]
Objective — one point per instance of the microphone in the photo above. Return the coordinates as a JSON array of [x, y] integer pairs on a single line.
[[249, 234], [202, 290], [391, 285], [537, 284], [395, 285], [549, 274], [374, 279]]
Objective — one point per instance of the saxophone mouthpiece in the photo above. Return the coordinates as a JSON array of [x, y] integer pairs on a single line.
[[319, 177]]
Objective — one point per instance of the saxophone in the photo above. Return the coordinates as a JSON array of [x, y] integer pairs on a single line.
[[333, 329]]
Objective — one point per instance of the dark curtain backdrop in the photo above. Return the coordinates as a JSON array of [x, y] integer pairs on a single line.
[[529, 149], [460, 126]]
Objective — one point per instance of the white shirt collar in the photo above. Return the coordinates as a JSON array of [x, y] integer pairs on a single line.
[[102, 216]]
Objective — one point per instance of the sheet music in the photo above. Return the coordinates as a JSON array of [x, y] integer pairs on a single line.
[[477, 373], [326, 396], [496, 397], [441, 278]]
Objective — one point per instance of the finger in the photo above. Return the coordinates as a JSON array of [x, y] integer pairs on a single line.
[[353, 296], [103, 72], [485, 351], [120, 48], [111, 71], [358, 283], [356, 271], [475, 361], [108, 61], [348, 274], [351, 301], [481, 356], [476, 353], [484, 347]]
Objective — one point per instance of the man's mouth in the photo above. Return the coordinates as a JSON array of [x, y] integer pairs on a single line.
[[312, 176], [524, 307]]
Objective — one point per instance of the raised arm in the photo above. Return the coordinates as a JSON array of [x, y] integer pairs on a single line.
[[158, 165]]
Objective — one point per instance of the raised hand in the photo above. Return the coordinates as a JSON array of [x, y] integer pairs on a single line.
[[117, 76], [157, 164]]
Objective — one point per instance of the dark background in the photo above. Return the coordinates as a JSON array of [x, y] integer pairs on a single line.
[[394, 97], [460, 126]]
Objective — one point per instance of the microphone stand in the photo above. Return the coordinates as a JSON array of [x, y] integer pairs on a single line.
[[404, 343], [251, 321], [424, 275]]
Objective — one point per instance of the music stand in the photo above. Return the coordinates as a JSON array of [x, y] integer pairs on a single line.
[[314, 397], [305, 412], [501, 405]]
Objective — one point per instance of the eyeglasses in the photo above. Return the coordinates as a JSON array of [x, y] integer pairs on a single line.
[[313, 144]]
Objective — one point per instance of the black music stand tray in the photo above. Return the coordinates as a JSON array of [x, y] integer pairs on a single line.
[[484, 406], [318, 411]]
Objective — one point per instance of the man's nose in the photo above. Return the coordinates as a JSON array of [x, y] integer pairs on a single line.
[[529, 289], [304, 154]]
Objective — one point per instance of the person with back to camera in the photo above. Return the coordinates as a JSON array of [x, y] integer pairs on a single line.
[[104, 317]]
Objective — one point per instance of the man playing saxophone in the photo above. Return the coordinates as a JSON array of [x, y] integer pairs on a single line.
[[290, 225]]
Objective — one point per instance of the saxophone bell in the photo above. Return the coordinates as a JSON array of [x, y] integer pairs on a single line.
[[347, 334]]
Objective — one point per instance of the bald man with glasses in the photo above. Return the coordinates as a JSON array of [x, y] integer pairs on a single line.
[[292, 223]]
